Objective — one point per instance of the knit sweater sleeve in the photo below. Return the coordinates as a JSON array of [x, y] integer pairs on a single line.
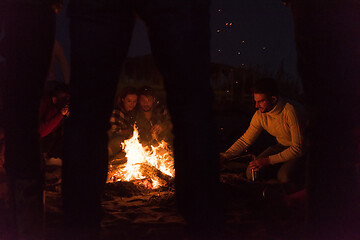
[[247, 138], [295, 150]]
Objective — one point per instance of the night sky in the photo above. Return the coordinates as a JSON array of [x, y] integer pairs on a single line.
[[256, 33]]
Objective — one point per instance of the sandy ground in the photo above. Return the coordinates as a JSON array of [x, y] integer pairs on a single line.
[[133, 212]]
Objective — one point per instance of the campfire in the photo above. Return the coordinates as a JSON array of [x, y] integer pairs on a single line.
[[152, 167]]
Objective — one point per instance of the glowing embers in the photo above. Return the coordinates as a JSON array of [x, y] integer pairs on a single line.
[[151, 166]]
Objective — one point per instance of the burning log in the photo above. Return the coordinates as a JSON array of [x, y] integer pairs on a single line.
[[118, 161], [154, 174]]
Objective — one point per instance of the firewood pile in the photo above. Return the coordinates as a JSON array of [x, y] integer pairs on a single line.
[[151, 172], [135, 187], [150, 175], [139, 186]]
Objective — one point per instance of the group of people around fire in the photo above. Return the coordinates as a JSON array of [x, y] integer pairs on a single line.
[[138, 108], [179, 32], [281, 118]]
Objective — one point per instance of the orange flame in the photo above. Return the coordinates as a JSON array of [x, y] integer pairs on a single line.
[[159, 157]]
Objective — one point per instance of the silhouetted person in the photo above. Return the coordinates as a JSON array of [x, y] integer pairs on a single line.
[[327, 34], [27, 30], [100, 36], [4, 195], [53, 111]]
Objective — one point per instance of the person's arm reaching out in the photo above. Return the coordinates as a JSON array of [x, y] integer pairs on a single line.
[[246, 139]]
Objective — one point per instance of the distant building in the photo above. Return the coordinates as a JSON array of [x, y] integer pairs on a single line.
[[231, 85]]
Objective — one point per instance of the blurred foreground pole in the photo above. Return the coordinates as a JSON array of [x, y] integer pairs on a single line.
[[179, 34], [327, 38], [27, 33]]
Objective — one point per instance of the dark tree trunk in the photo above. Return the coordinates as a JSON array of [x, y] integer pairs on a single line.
[[327, 35]]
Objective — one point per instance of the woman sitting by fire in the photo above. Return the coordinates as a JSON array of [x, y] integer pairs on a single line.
[[122, 120]]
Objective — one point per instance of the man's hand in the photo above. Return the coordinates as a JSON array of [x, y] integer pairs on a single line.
[[65, 111], [259, 163], [156, 129]]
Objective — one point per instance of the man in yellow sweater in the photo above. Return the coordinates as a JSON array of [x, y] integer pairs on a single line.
[[282, 119]]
